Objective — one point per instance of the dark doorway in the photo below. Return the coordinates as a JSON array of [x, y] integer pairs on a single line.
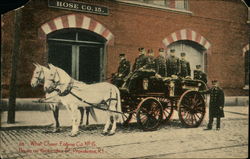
[[79, 52]]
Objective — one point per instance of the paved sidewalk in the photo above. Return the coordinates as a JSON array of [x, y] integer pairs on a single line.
[[169, 141], [45, 118]]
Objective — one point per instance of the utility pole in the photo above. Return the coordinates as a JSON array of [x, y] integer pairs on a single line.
[[15, 54]]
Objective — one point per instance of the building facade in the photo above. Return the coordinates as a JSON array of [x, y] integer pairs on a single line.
[[85, 38]]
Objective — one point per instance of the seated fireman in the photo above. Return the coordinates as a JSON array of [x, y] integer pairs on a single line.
[[184, 67], [139, 64], [147, 69], [160, 63], [199, 74], [122, 72], [172, 64]]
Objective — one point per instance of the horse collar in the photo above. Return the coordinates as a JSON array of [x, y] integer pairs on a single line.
[[68, 89]]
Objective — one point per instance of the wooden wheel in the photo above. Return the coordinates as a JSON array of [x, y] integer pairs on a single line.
[[192, 109], [167, 111], [149, 114]]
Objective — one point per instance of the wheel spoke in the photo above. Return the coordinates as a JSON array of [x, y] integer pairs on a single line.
[[197, 116]]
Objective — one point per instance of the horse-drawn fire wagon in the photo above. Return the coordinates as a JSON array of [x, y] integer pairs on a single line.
[[155, 99]]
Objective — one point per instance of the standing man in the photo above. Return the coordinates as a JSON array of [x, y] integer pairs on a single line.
[[216, 104], [160, 63], [122, 72], [172, 63], [184, 66], [199, 74]]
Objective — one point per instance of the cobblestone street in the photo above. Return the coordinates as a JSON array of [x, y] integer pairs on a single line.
[[170, 141]]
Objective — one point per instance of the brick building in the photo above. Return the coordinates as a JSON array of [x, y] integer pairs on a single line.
[[85, 38]]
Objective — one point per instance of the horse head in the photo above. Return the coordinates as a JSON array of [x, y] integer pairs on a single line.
[[56, 79], [38, 75]]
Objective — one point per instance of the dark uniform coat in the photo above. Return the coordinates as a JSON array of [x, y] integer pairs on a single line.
[[184, 68], [172, 64], [140, 61], [150, 63], [199, 75], [161, 67], [124, 68], [217, 100]]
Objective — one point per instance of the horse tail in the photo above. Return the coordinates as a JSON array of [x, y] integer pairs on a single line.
[[119, 106]]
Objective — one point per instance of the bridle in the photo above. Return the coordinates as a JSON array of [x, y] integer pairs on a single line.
[[55, 83], [39, 79]]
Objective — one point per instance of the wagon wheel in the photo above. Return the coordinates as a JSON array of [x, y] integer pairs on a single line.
[[167, 111], [149, 114], [192, 109]]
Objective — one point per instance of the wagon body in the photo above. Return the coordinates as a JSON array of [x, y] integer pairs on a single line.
[[156, 98]]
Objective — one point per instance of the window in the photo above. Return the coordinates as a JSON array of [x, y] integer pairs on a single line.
[[175, 4], [181, 4]]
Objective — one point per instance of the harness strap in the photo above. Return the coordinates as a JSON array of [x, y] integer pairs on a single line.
[[94, 105], [68, 89]]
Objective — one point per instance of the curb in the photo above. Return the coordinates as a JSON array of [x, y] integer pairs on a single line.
[[29, 104]]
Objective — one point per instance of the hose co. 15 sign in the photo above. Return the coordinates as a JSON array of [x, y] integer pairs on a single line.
[[78, 6]]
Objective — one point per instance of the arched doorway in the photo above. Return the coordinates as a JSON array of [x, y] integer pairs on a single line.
[[79, 52], [195, 53]]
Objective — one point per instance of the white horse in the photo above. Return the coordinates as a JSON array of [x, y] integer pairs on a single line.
[[71, 93], [38, 79]]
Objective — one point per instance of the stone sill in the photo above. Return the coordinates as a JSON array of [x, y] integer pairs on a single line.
[[145, 5]]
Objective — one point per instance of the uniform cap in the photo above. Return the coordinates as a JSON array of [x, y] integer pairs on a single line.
[[214, 81], [172, 50], [122, 55], [141, 49], [161, 49], [198, 66], [183, 54]]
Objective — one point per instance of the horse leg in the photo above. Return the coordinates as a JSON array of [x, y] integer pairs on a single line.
[[56, 117], [82, 113], [105, 130], [87, 115], [75, 122], [112, 131]]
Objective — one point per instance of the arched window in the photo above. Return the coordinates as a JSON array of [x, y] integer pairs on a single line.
[[79, 52]]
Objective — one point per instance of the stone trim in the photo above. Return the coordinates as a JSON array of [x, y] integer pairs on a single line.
[[76, 21]]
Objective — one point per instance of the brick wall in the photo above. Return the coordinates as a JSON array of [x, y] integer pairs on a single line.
[[222, 23]]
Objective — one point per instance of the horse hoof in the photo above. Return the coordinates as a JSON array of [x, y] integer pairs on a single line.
[[111, 133], [73, 134], [56, 130], [104, 133]]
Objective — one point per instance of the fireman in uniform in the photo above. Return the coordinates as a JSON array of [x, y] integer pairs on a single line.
[[184, 66], [160, 63], [122, 72], [216, 104], [199, 74], [140, 63], [141, 60], [172, 64], [150, 62]]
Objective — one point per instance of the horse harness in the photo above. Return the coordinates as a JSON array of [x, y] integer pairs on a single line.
[[68, 90]]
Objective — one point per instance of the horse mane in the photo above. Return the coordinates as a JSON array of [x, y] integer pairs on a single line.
[[64, 77]]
